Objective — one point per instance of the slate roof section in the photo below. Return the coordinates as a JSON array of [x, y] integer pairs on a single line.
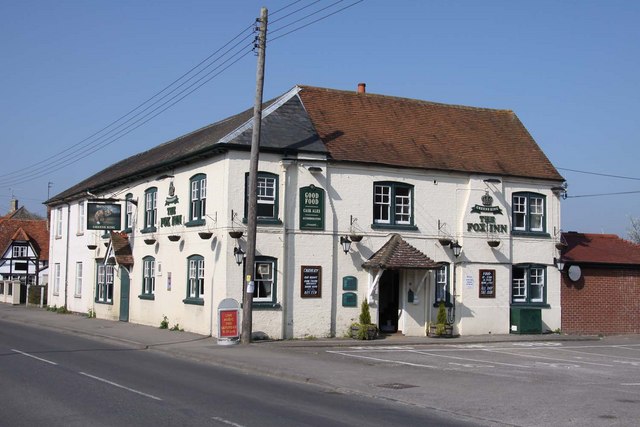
[[364, 127], [398, 254], [122, 248], [351, 127], [23, 213], [600, 249]]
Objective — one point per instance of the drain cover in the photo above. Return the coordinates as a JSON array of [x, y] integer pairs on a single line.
[[396, 386]]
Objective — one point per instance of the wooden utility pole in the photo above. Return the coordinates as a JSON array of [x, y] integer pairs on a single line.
[[249, 284]]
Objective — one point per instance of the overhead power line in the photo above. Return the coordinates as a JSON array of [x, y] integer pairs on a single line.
[[167, 97], [604, 194], [600, 174]]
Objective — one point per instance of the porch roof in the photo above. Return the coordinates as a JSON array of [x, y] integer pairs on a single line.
[[398, 254]]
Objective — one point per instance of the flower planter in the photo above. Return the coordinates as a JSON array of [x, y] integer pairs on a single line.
[[236, 234], [444, 241], [445, 332], [493, 243], [204, 235], [149, 241], [92, 247], [174, 237], [359, 331], [355, 238]]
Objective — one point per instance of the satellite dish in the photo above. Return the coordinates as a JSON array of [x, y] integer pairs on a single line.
[[575, 273]]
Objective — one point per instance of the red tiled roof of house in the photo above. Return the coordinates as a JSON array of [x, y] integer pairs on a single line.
[[36, 233], [364, 127], [396, 254], [600, 249]]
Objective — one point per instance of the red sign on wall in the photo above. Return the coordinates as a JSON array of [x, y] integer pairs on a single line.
[[228, 323]]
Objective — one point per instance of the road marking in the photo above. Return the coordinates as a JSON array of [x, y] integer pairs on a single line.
[[548, 358], [537, 344], [471, 365], [120, 386], [34, 357], [629, 383], [597, 354], [231, 423], [382, 348], [471, 360], [377, 359]]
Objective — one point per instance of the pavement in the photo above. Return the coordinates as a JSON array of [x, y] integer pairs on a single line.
[[299, 360]]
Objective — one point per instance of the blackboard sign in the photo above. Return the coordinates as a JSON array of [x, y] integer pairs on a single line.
[[311, 281], [487, 284]]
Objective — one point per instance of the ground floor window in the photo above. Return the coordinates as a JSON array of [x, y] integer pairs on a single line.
[[528, 284], [442, 293], [104, 293], [148, 276], [195, 280], [264, 274]]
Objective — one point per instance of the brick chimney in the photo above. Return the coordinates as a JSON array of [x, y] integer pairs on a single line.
[[362, 87], [13, 205]]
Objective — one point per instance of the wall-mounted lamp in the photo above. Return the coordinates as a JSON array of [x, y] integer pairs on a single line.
[[559, 263], [314, 169], [346, 244], [560, 191], [238, 253], [456, 248]]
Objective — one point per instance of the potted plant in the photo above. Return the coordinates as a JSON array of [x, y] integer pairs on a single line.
[[442, 328], [236, 234], [174, 237], [355, 237], [444, 241], [150, 240], [91, 246], [364, 329], [493, 243]]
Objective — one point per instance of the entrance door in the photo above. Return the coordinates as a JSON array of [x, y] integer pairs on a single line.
[[124, 295], [389, 301]]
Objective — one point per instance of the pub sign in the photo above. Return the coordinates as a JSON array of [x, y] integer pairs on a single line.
[[311, 208]]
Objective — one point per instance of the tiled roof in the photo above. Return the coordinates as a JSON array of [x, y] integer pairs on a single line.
[[351, 127], [35, 231], [600, 249], [122, 248], [396, 254], [22, 213], [364, 127]]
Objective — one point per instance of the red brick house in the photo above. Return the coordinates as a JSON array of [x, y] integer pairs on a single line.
[[600, 290]]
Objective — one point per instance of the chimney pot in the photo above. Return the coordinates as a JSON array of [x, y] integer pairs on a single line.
[[13, 205], [362, 87]]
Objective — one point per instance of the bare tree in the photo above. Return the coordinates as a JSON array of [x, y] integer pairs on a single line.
[[634, 229]]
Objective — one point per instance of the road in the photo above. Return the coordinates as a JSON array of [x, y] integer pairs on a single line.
[[57, 379]]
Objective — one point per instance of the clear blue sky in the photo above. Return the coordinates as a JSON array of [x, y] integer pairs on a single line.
[[569, 70]]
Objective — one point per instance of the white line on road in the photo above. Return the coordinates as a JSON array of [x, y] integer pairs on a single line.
[[548, 358], [629, 383], [383, 360], [231, 423], [471, 360], [120, 386], [35, 357]]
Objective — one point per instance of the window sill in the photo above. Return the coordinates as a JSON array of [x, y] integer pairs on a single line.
[[530, 305], [104, 302], [195, 223], [377, 226], [530, 233], [149, 297], [193, 301], [148, 230], [265, 221]]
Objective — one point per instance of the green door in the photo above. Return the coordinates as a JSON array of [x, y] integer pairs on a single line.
[[124, 294]]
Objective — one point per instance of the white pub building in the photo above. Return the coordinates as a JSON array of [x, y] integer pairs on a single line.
[[402, 202]]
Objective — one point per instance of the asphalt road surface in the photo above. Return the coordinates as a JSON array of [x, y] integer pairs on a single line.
[[56, 379]]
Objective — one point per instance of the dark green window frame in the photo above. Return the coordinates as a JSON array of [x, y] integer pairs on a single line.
[[442, 286], [527, 216], [393, 205], [150, 210], [197, 200], [105, 274], [529, 285], [265, 278], [148, 278], [267, 201], [128, 209], [195, 280]]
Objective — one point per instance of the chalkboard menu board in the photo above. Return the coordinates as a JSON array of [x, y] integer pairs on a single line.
[[311, 281], [487, 284]]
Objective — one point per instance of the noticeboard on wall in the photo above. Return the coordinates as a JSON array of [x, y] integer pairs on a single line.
[[103, 216], [311, 208], [487, 284], [310, 281]]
